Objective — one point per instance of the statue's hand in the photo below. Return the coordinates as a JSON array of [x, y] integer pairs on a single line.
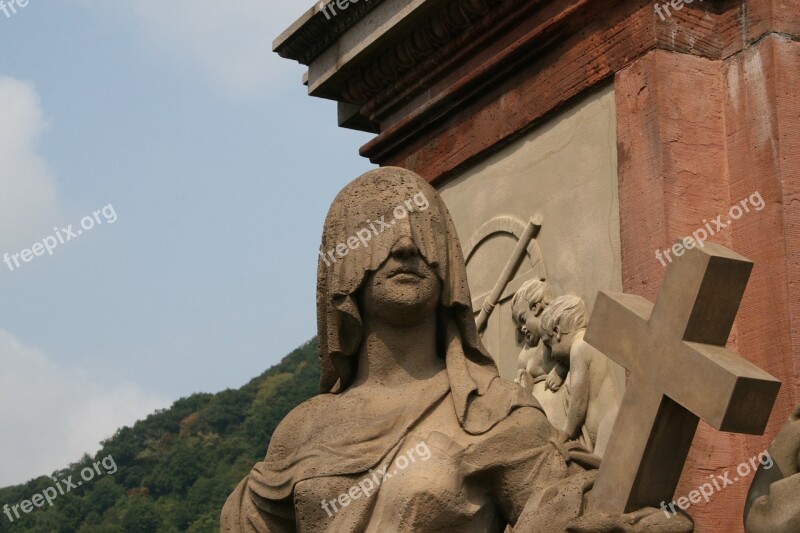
[[525, 380], [648, 519], [562, 508], [554, 381]]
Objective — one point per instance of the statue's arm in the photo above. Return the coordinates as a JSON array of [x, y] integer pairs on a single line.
[[562, 508], [516, 460], [247, 512], [579, 394], [556, 376], [539, 485]]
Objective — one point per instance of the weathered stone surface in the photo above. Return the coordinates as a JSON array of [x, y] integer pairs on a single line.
[[446, 82], [537, 371], [773, 505], [566, 174], [768, 16], [403, 370], [680, 372], [708, 119], [695, 137], [402, 367], [590, 395]]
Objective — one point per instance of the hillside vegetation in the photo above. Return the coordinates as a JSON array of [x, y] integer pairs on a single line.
[[174, 469]]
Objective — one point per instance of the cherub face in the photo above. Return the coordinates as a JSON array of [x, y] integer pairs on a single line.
[[558, 342], [526, 319]]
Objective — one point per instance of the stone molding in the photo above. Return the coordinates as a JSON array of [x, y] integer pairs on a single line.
[[313, 33], [446, 82]]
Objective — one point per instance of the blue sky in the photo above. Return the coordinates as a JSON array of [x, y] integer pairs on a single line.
[[219, 168]]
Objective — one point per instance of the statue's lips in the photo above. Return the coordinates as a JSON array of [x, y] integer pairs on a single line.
[[405, 275]]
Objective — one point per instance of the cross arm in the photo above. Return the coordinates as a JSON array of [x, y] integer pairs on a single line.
[[618, 327], [743, 393]]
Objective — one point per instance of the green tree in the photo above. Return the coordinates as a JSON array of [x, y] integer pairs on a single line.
[[141, 517], [175, 468]]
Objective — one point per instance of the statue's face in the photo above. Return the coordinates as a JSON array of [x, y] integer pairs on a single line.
[[559, 343], [526, 317], [405, 290]]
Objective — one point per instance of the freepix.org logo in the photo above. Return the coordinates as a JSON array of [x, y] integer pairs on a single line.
[[701, 234], [369, 484], [61, 487], [330, 11], [61, 236], [370, 229], [9, 7]]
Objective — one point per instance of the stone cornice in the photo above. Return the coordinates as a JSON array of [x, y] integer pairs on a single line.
[[313, 33], [445, 82], [447, 32]]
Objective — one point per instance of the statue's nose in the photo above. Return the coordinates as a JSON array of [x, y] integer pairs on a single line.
[[404, 248]]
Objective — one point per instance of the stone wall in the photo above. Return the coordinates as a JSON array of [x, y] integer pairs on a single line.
[[565, 173]]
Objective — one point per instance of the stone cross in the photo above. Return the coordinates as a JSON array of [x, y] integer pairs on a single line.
[[680, 371]]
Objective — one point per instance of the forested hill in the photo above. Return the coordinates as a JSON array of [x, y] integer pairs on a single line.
[[175, 469]]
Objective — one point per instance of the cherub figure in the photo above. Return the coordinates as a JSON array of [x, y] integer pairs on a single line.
[[534, 363], [592, 403]]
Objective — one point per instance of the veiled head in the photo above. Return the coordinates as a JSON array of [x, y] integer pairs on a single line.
[[388, 238]]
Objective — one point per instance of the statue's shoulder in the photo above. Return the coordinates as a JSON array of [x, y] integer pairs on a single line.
[[299, 424], [524, 416]]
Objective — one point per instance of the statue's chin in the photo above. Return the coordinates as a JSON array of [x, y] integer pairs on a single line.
[[402, 300], [406, 311]]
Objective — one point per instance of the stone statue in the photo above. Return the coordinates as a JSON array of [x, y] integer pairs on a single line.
[[592, 403], [773, 504], [414, 430], [537, 371], [535, 363]]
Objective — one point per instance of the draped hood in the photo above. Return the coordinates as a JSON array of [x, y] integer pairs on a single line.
[[373, 204]]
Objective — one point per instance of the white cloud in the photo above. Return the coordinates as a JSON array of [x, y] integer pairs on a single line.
[[231, 42], [28, 200], [50, 415]]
